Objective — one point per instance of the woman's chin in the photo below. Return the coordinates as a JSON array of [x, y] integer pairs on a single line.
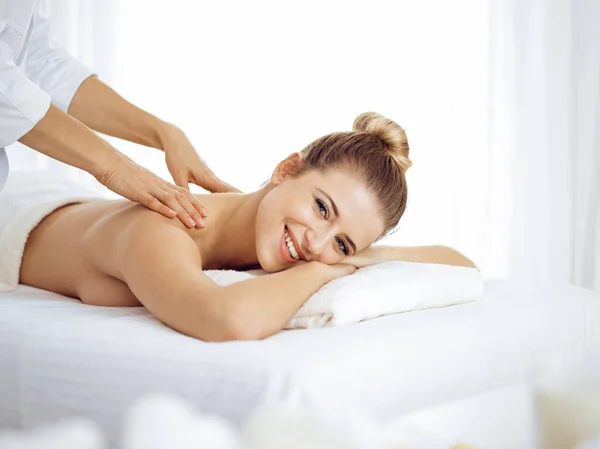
[[270, 265], [273, 268]]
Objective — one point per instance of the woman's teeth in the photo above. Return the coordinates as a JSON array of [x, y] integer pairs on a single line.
[[291, 248]]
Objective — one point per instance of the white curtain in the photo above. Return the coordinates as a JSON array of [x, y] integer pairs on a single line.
[[545, 138], [499, 100]]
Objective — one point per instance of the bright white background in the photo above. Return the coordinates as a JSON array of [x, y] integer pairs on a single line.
[[251, 82], [491, 95]]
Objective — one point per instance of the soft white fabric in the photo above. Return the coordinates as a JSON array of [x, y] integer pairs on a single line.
[[377, 290], [34, 71], [387, 288], [26, 199], [72, 433], [60, 358], [3, 167], [374, 291]]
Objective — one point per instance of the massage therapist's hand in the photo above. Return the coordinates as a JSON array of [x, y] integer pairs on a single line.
[[135, 183], [186, 165]]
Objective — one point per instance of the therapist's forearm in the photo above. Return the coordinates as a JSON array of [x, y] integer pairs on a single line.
[[105, 111], [66, 139]]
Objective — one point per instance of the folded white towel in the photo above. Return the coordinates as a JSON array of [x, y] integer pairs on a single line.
[[381, 289]]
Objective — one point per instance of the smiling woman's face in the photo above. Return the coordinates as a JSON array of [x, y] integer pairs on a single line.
[[326, 216]]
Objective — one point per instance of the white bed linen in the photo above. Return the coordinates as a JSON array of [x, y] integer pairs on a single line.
[[59, 357]]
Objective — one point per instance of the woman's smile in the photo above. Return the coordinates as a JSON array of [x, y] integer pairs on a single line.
[[288, 247]]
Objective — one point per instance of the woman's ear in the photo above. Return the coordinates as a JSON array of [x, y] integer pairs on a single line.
[[289, 166]]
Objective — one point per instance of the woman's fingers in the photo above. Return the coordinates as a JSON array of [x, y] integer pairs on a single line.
[[350, 269], [342, 269]]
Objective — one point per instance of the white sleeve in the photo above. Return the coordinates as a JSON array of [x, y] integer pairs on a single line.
[[50, 66], [22, 103]]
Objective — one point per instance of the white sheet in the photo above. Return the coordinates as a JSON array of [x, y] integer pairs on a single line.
[[59, 357]]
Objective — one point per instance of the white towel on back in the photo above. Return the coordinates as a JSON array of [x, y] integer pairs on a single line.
[[26, 199]]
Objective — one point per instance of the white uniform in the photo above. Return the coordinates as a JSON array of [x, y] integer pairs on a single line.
[[34, 72]]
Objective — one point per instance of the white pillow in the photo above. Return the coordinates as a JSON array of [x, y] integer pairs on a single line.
[[381, 289]]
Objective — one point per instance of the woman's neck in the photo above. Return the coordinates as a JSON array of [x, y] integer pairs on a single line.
[[228, 240]]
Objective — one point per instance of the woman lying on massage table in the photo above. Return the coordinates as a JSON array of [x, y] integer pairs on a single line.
[[312, 223]]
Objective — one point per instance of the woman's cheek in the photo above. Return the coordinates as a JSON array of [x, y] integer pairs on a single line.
[[329, 257], [309, 216]]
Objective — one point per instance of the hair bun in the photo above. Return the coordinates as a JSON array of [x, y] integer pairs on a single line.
[[389, 132]]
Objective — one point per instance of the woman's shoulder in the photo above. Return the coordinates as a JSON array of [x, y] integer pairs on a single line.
[[142, 226], [123, 216], [123, 230]]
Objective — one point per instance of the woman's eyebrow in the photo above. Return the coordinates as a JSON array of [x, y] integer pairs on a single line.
[[336, 212]]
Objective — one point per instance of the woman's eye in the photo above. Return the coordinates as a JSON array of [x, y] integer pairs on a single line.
[[343, 247], [322, 207]]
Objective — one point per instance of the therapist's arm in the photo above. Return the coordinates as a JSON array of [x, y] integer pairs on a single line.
[[75, 90], [104, 110], [66, 139]]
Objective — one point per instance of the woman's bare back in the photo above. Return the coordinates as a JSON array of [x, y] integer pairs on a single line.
[[74, 251]]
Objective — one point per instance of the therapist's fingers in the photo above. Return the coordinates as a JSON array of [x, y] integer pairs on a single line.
[[182, 181], [170, 201], [155, 205], [179, 202], [192, 205], [136, 183]]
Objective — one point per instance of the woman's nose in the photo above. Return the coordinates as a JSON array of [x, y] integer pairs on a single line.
[[316, 240]]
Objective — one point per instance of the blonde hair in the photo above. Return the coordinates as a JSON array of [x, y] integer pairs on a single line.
[[377, 148]]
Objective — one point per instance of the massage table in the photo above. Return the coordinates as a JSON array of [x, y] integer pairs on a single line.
[[59, 357]]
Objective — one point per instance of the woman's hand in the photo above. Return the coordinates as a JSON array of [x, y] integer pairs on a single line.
[[186, 165], [370, 255], [331, 272]]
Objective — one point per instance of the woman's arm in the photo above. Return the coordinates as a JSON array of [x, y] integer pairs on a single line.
[[424, 254], [163, 268], [261, 306]]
